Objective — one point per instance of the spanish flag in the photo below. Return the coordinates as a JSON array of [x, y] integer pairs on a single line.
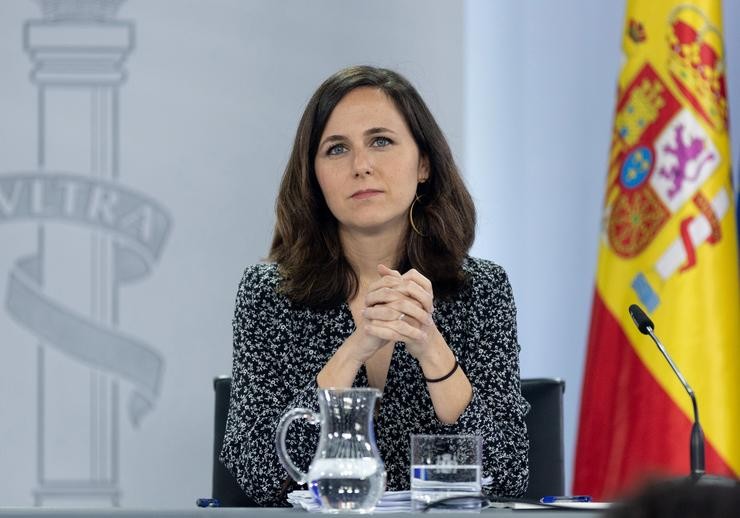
[[668, 243]]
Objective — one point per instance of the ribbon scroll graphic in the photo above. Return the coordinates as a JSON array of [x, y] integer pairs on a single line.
[[139, 226]]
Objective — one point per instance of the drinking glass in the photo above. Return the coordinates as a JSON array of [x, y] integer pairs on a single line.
[[446, 466]]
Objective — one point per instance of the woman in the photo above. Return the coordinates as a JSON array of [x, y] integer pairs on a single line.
[[371, 285]]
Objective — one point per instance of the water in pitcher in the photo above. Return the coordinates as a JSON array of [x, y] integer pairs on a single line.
[[346, 473], [343, 485]]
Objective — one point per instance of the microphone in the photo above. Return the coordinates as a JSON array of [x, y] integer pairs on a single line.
[[696, 445], [641, 320]]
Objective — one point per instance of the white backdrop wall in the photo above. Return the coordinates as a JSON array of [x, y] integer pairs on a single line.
[[544, 104], [197, 142]]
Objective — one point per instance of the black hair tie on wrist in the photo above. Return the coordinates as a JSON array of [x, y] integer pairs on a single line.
[[437, 380]]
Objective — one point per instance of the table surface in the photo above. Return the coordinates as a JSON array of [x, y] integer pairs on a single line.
[[253, 512]]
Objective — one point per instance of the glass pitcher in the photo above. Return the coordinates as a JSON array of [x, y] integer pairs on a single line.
[[347, 473]]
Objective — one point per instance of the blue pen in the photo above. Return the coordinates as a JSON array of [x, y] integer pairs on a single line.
[[208, 502], [565, 499]]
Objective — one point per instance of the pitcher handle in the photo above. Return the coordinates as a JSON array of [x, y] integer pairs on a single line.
[[282, 430]]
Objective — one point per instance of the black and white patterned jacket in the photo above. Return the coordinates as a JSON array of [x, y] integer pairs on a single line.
[[279, 348]]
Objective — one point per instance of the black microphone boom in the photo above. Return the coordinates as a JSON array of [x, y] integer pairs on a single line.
[[641, 320], [696, 447]]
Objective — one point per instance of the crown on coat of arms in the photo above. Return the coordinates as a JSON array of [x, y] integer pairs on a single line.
[[696, 63]]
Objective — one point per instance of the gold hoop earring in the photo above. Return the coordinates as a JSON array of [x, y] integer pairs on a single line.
[[411, 216]]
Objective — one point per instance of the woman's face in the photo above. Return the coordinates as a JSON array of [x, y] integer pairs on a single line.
[[368, 164]]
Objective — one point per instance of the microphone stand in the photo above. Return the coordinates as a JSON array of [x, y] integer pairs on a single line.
[[696, 445]]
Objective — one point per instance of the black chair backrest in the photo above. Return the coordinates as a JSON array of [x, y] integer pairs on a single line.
[[225, 487], [544, 423], [545, 428]]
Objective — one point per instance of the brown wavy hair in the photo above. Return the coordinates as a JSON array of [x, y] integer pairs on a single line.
[[306, 243]]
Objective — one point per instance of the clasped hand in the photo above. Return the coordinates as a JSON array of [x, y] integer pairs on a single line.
[[398, 308]]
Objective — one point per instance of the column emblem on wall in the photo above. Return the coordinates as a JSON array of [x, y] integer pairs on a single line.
[[93, 235]]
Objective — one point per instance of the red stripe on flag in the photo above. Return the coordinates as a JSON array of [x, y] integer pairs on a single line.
[[630, 429], [688, 245]]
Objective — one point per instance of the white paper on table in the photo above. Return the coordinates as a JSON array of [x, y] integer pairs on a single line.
[[391, 501]]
